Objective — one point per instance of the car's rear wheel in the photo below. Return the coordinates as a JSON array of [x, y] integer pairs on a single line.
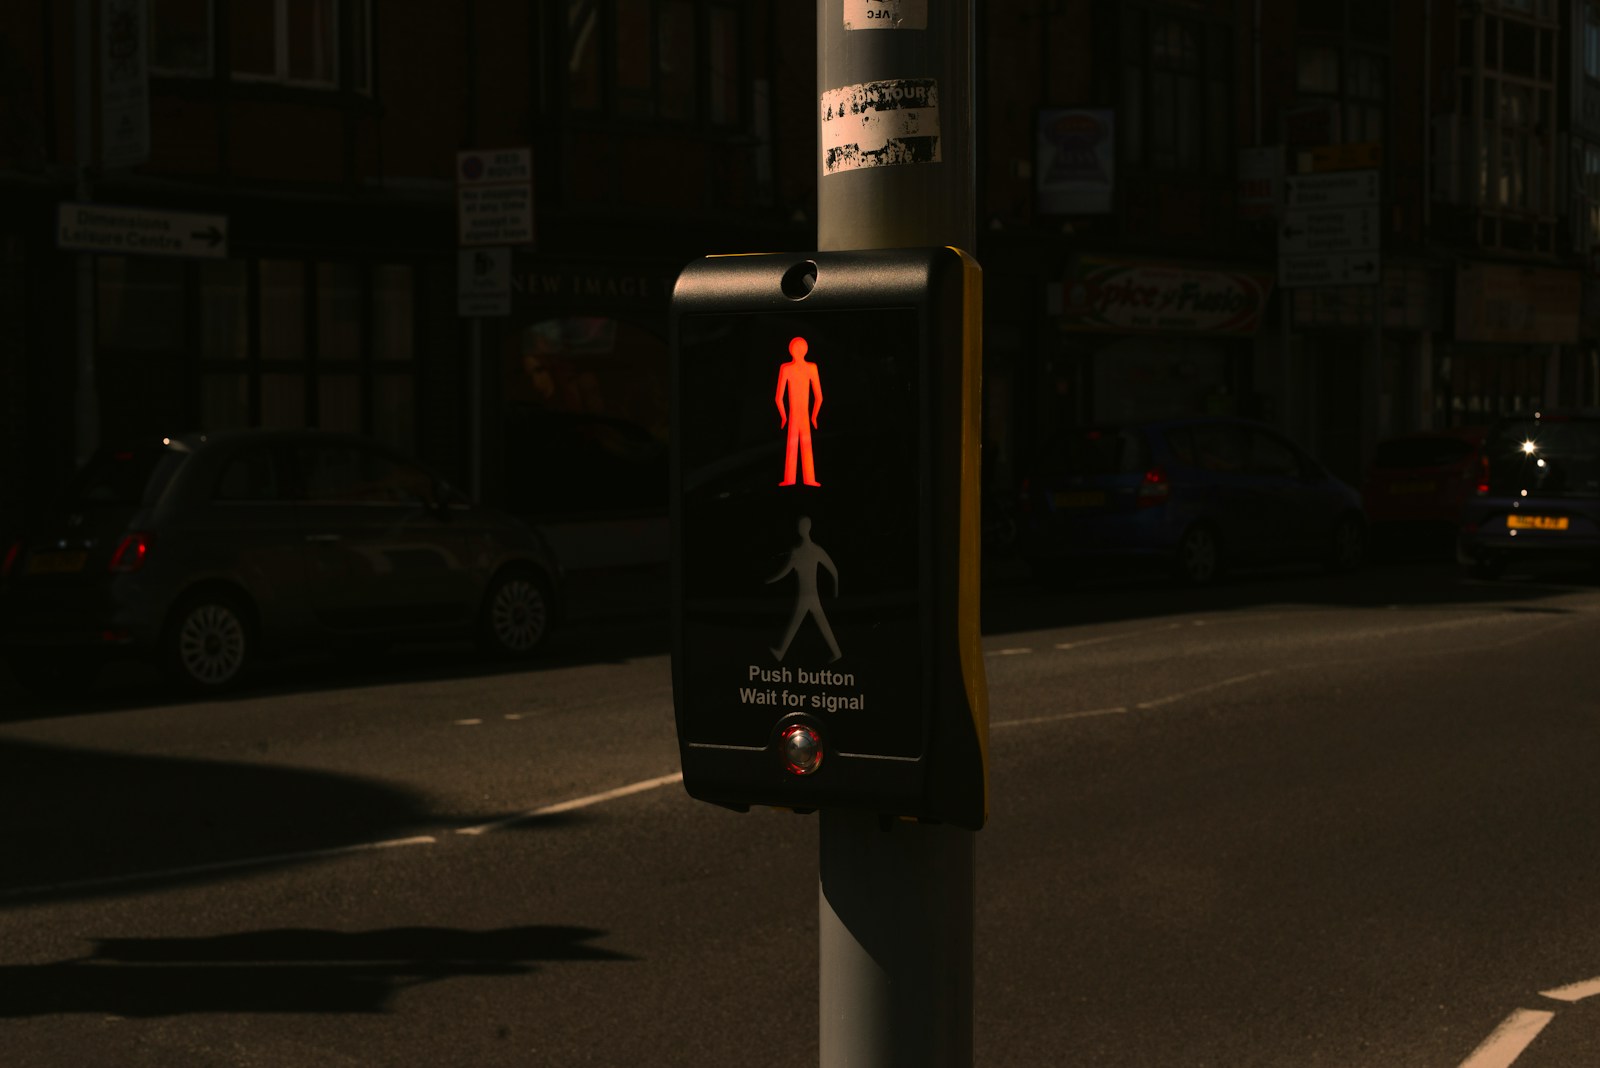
[[209, 643], [517, 614], [1198, 559]]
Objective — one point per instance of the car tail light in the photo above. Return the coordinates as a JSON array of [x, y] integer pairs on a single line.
[[1154, 489], [13, 551], [1483, 476], [130, 553]]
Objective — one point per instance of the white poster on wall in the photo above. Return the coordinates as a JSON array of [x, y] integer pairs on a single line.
[[1077, 161], [124, 85]]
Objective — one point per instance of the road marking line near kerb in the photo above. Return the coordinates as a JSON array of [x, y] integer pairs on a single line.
[[577, 803], [1509, 1040]]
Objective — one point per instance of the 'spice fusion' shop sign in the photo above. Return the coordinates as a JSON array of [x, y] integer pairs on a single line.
[[1122, 296]]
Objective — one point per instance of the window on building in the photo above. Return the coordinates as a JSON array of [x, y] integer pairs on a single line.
[[1342, 62], [1591, 38], [289, 42], [1591, 192], [583, 55], [180, 38], [1175, 93], [673, 60], [1505, 120], [284, 343]]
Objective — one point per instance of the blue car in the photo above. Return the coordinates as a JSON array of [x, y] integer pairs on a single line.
[[1192, 496], [1537, 496]]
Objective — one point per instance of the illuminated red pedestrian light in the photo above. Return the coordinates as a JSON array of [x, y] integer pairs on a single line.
[[799, 388]]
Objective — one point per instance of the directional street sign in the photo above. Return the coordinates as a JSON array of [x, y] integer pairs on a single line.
[[1314, 231], [140, 231], [1339, 187], [1330, 230]]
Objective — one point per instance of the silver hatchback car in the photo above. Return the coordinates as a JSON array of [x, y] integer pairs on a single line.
[[203, 552]]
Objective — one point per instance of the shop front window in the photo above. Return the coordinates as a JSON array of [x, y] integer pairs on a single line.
[[586, 418]]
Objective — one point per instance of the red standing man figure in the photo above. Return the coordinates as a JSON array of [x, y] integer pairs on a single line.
[[799, 379]]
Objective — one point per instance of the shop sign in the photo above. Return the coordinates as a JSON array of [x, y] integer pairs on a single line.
[[1127, 296], [538, 281], [1510, 304]]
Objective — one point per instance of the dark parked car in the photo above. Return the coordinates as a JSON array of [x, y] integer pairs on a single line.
[[1422, 479], [1194, 496], [1538, 494], [203, 551]]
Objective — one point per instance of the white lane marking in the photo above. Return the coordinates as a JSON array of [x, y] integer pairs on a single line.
[[1008, 652], [468, 722], [576, 803], [1059, 716], [1509, 1040], [1081, 642], [1573, 991], [1169, 699], [211, 869]]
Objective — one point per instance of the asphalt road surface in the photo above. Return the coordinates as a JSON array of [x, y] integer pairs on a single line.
[[1298, 821]]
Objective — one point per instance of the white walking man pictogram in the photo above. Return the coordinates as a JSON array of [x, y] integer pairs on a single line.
[[804, 560]]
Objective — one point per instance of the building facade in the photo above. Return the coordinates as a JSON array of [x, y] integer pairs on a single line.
[[1135, 163]]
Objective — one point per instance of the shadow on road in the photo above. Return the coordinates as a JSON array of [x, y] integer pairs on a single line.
[[78, 820], [282, 970]]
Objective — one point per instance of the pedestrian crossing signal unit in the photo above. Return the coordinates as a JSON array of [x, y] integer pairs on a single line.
[[824, 488]]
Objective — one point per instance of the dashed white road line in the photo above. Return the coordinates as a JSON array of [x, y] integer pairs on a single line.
[[1574, 992], [1509, 1040], [1169, 699], [1517, 1031], [1058, 716], [576, 803]]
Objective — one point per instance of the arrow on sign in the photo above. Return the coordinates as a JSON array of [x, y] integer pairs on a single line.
[[210, 235]]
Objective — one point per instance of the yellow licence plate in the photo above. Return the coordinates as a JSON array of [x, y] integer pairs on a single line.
[[60, 563], [1536, 522]]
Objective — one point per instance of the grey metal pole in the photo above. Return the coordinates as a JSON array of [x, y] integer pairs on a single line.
[[896, 167]]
